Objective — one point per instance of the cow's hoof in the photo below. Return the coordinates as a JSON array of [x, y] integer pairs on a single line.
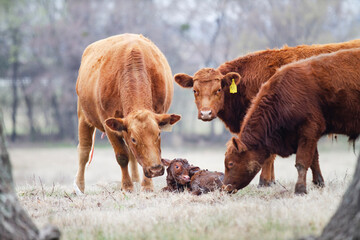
[[78, 187], [147, 188], [300, 189], [319, 181], [127, 186], [265, 183]]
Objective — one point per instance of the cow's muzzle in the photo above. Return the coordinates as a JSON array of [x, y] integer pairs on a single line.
[[206, 115], [154, 171]]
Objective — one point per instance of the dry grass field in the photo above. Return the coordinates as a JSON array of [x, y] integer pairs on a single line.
[[44, 178]]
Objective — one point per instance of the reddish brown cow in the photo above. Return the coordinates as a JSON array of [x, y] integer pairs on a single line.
[[300, 103], [124, 89], [182, 175], [213, 99]]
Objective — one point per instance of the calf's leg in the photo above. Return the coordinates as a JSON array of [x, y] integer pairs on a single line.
[[267, 176], [86, 132]]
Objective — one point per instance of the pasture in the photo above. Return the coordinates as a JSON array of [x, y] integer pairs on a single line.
[[44, 176]]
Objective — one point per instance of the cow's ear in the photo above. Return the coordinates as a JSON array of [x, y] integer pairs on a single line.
[[116, 124], [166, 121], [239, 146], [166, 162], [184, 80], [228, 78]]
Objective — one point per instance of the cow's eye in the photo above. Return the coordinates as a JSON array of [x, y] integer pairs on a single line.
[[177, 167], [219, 90], [194, 91], [133, 140], [230, 164]]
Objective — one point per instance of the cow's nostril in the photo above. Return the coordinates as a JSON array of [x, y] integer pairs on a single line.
[[206, 114], [156, 168]]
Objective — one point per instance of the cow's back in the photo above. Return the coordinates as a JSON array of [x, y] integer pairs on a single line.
[[258, 67], [323, 89], [121, 72]]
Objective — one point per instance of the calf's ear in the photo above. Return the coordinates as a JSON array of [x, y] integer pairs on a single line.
[[227, 79], [193, 170], [166, 121], [166, 162], [184, 80], [116, 124]]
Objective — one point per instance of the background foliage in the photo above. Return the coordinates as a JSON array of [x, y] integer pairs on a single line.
[[41, 43]]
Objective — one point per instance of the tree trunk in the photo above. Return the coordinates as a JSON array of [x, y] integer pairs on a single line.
[[14, 221], [345, 224], [15, 68], [30, 114], [57, 117]]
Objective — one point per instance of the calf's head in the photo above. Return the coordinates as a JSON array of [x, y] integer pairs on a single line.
[[140, 131], [180, 170], [241, 165], [209, 87]]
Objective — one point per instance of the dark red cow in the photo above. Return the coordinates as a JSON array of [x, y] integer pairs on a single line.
[[212, 94], [300, 103]]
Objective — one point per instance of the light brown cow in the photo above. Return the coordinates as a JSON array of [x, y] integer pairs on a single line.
[[213, 98], [124, 89]]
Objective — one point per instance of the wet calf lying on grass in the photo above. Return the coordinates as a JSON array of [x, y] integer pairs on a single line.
[[181, 175]]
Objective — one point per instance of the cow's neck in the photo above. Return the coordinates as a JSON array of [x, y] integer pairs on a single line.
[[234, 108]]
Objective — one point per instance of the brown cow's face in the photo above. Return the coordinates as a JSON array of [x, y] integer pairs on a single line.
[[241, 166], [209, 86], [141, 133]]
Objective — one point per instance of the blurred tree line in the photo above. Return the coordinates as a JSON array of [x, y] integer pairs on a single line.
[[41, 44]]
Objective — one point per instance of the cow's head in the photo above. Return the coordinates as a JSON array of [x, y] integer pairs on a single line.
[[141, 132], [241, 165], [180, 170], [209, 87]]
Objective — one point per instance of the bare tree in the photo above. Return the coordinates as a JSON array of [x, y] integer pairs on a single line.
[[345, 224], [14, 221]]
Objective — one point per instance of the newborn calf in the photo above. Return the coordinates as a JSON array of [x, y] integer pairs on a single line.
[[181, 175]]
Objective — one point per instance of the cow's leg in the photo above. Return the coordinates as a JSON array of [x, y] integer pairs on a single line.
[[267, 176], [147, 184], [85, 143], [273, 171], [134, 169], [304, 157], [122, 158], [318, 179]]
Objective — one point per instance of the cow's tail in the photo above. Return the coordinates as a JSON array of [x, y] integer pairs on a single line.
[[92, 149]]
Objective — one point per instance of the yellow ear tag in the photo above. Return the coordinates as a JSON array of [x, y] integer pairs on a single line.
[[233, 87]]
